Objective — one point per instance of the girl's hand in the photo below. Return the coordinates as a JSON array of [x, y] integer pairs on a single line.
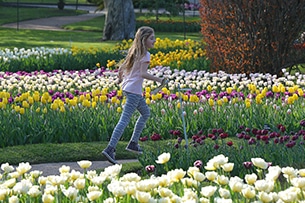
[[165, 80]]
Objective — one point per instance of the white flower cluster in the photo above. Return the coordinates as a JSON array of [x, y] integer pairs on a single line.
[[197, 80], [193, 185], [7, 55]]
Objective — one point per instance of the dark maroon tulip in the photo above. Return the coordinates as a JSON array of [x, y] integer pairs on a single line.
[[251, 141], [150, 168], [248, 164], [295, 137], [240, 135], [195, 137], [247, 137], [290, 144], [198, 163], [210, 135], [145, 138], [223, 135], [230, 143], [214, 131]]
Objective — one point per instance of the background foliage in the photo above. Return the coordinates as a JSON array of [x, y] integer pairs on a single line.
[[252, 36]]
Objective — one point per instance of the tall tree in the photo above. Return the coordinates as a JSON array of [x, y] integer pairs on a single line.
[[120, 22]]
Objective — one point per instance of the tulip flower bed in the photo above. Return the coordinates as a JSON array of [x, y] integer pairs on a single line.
[[202, 182], [245, 118], [186, 54], [79, 104]]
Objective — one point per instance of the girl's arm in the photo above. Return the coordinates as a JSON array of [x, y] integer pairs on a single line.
[[146, 75], [120, 74]]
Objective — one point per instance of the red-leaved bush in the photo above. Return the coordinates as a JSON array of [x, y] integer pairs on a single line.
[[246, 36]]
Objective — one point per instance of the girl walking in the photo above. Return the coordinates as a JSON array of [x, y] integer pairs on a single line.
[[132, 73]]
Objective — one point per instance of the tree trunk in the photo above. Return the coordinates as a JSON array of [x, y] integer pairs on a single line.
[[120, 22]]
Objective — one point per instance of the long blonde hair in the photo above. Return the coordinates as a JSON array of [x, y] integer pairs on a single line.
[[138, 48]]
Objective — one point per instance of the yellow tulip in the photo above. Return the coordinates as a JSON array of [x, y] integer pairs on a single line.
[[229, 90], [95, 92], [54, 106], [95, 98], [22, 111], [300, 92], [185, 97], [148, 101], [43, 100], [211, 102], [290, 100], [275, 89], [62, 109], [93, 104], [113, 100], [103, 98], [234, 100], [37, 110], [119, 109], [194, 98], [154, 97], [5, 101], [25, 104], [31, 100], [295, 96], [81, 98], [219, 102], [147, 89], [86, 103], [73, 102], [45, 110], [17, 108], [225, 99], [2, 105], [88, 96], [119, 93], [124, 101], [248, 102], [104, 91], [258, 100]]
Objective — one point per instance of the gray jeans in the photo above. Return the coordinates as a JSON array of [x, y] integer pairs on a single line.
[[133, 102]]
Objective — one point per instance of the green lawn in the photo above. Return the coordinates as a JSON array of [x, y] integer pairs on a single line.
[[47, 1], [9, 14], [86, 34], [35, 38]]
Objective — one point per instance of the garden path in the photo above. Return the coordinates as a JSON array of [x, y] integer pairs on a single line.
[[56, 23], [53, 23], [53, 168]]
